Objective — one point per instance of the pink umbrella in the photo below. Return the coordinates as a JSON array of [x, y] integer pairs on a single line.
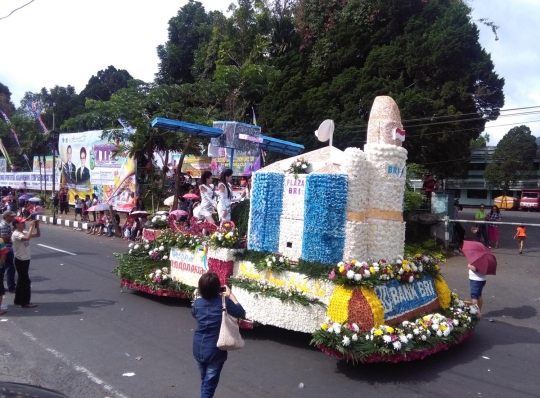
[[92, 208], [190, 196], [480, 256], [179, 213]]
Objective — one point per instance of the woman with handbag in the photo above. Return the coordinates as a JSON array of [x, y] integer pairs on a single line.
[[208, 310]]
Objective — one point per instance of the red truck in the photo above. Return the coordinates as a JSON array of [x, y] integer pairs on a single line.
[[530, 199]]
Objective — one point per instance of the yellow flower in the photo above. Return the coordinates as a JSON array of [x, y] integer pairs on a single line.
[[372, 270], [378, 332], [341, 268], [443, 328], [324, 326], [390, 329], [437, 267], [354, 262], [338, 308]]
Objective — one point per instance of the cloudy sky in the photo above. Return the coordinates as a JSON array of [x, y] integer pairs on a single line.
[[61, 42]]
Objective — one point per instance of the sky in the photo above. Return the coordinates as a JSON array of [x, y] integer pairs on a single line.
[[65, 42]]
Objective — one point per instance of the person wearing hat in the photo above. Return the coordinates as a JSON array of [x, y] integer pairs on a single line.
[[21, 249], [6, 229]]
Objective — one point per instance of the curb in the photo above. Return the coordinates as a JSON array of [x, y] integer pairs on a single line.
[[65, 223]]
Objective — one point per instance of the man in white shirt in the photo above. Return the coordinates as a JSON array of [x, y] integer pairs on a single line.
[[21, 249]]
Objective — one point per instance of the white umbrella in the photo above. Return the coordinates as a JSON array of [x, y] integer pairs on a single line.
[[35, 200], [169, 201], [102, 206]]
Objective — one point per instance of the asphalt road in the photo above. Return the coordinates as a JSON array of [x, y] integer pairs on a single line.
[[86, 334]]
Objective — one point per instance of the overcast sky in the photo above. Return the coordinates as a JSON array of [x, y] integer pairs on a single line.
[[61, 42]]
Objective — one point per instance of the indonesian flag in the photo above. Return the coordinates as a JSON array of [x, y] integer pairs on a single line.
[[398, 134]]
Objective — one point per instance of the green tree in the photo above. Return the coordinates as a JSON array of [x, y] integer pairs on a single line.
[[513, 159], [105, 83], [480, 142], [188, 31], [6, 105], [425, 54]]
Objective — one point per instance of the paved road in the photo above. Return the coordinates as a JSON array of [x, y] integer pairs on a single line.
[[86, 334]]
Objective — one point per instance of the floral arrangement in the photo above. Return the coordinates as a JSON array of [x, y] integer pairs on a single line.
[[373, 273], [325, 215], [159, 275], [159, 222], [227, 237], [264, 288], [428, 331], [274, 262], [265, 212], [299, 166]]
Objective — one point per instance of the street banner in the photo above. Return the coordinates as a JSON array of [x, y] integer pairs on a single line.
[[244, 163], [5, 153], [33, 180], [88, 167], [12, 131], [38, 160], [195, 165]]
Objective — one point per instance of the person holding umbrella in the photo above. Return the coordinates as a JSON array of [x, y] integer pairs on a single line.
[[481, 263]]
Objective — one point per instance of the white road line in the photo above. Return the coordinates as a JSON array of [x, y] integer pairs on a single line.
[[54, 248], [78, 368]]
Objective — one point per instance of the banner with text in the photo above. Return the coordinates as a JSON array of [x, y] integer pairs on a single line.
[[88, 167], [33, 180], [187, 266]]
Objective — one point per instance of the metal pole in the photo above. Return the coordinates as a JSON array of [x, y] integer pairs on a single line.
[[232, 158], [446, 233]]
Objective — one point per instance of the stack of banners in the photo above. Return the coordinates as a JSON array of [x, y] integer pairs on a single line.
[[88, 166], [33, 180]]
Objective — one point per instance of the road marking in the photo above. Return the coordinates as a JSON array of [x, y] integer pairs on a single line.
[[54, 248], [78, 368]]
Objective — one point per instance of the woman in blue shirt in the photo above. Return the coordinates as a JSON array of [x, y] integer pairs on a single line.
[[207, 310]]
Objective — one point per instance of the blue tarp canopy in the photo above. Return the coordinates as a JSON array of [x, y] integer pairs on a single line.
[[280, 146], [188, 128]]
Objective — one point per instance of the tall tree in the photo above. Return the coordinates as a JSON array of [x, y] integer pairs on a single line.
[[188, 30], [105, 83], [5, 100], [513, 159], [423, 53]]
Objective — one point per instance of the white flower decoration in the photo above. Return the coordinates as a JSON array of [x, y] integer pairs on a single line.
[[350, 274]]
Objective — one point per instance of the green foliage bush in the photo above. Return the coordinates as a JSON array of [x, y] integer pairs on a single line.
[[413, 201], [240, 216]]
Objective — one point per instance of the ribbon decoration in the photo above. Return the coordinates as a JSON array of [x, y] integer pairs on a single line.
[[32, 106], [200, 251], [5, 152], [11, 128]]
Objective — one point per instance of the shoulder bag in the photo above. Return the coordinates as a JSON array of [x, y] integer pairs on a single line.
[[229, 333]]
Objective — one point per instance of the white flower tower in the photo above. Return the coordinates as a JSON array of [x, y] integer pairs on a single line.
[[386, 161]]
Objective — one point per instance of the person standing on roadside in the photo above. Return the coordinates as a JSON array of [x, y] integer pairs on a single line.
[[64, 205], [482, 232], [3, 253], [78, 207], [21, 249], [521, 235], [493, 229], [6, 229]]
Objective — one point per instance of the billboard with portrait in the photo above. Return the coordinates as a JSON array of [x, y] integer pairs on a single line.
[[88, 166]]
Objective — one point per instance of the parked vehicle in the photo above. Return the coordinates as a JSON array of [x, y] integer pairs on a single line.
[[530, 199]]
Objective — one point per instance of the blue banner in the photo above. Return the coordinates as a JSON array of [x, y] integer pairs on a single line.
[[399, 298]]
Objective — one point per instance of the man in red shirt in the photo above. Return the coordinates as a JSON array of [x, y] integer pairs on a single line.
[[429, 186]]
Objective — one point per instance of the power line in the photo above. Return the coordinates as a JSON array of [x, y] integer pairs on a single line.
[[17, 9]]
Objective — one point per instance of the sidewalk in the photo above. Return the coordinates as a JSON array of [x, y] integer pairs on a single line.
[[66, 222]]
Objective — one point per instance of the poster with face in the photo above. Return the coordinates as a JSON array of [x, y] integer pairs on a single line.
[[88, 167]]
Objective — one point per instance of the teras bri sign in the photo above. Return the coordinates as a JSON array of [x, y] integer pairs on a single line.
[[400, 299]]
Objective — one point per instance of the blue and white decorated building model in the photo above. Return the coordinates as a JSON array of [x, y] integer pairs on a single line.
[[349, 206]]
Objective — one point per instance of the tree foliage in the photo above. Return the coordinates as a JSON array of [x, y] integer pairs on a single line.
[[513, 159]]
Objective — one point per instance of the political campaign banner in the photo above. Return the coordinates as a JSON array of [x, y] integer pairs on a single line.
[[88, 166]]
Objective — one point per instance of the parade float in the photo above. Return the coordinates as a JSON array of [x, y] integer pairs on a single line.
[[324, 255]]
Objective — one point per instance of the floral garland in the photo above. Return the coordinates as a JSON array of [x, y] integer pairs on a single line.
[[265, 212], [424, 333], [226, 237], [299, 166], [275, 263], [374, 273], [325, 215], [266, 289], [223, 269]]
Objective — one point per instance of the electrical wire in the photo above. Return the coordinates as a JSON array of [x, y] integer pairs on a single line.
[[17, 9]]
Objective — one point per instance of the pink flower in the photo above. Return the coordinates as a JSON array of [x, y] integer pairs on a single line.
[[332, 274]]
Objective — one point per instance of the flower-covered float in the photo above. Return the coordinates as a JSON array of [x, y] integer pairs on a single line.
[[325, 247]]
